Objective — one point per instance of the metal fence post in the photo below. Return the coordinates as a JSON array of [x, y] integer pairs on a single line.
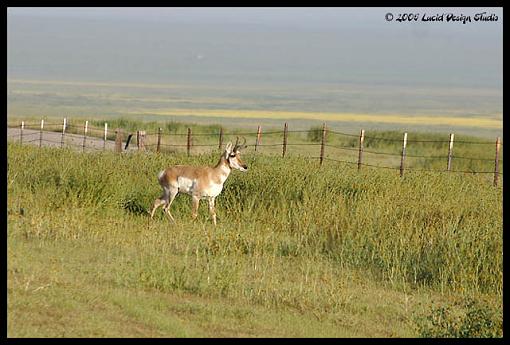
[[41, 133], [323, 142], [85, 134], [105, 135], [64, 124], [259, 133], [285, 128], [360, 153], [496, 162], [188, 146], [220, 141], [450, 151], [21, 132], [158, 147], [403, 157]]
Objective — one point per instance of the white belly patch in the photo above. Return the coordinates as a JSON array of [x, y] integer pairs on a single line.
[[186, 185]]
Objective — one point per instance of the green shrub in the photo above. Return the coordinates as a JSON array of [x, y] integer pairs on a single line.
[[475, 320], [315, 134]]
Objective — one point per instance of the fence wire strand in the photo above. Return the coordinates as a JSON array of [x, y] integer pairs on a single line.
[[96, 135]]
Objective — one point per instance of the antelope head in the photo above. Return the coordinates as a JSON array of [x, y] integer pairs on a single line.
[[233, 155]]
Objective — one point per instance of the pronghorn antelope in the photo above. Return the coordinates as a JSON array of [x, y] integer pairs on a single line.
[[199, 182]]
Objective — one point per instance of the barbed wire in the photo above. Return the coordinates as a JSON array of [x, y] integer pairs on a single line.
[[301, 144], [407, 169], [90, 139], [349, 162], [475, 159], [268, 145], [411, 140], [154, 133], [30, 141], [348, 148], [92, 127], [29, 134], [477, 142], [309, 157]]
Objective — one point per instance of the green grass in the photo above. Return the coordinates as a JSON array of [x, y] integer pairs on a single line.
[[343, 252]]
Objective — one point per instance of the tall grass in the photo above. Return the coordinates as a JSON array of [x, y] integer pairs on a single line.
[[430, 230]]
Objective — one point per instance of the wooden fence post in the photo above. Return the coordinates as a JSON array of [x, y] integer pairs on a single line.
[[360, 153], [158, 147], [64, 124], [496, 162], [450, 151], [188, 146], [402, 159], [285, 128], [21, 132], [40, 133], [220, 141], [259, 134], [140, 140], [118, 140], [323, 142], [85, 129], [105, 135]]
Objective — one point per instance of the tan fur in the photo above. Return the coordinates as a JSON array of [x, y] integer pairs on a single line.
[[199, 182]]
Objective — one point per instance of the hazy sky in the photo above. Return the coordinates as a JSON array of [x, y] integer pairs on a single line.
[[306, 17], [259, 44]]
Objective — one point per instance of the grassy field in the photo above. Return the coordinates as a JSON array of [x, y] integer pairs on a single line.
[[299, 250]]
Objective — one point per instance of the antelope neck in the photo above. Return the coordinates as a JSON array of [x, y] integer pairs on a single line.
[[223, 166]]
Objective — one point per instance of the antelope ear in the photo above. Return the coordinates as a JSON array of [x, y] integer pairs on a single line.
[[228, 149]]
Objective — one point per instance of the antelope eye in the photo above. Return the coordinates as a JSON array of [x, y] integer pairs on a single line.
[[232, 155]]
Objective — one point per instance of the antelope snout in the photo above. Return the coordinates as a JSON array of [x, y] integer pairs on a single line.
[[244, 167]]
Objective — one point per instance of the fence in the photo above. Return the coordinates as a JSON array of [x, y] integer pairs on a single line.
[[86, 137]]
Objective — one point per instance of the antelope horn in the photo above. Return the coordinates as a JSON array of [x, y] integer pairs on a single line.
[[240, 146]]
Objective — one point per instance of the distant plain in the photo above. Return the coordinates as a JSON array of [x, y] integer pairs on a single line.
[[342, 107]]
